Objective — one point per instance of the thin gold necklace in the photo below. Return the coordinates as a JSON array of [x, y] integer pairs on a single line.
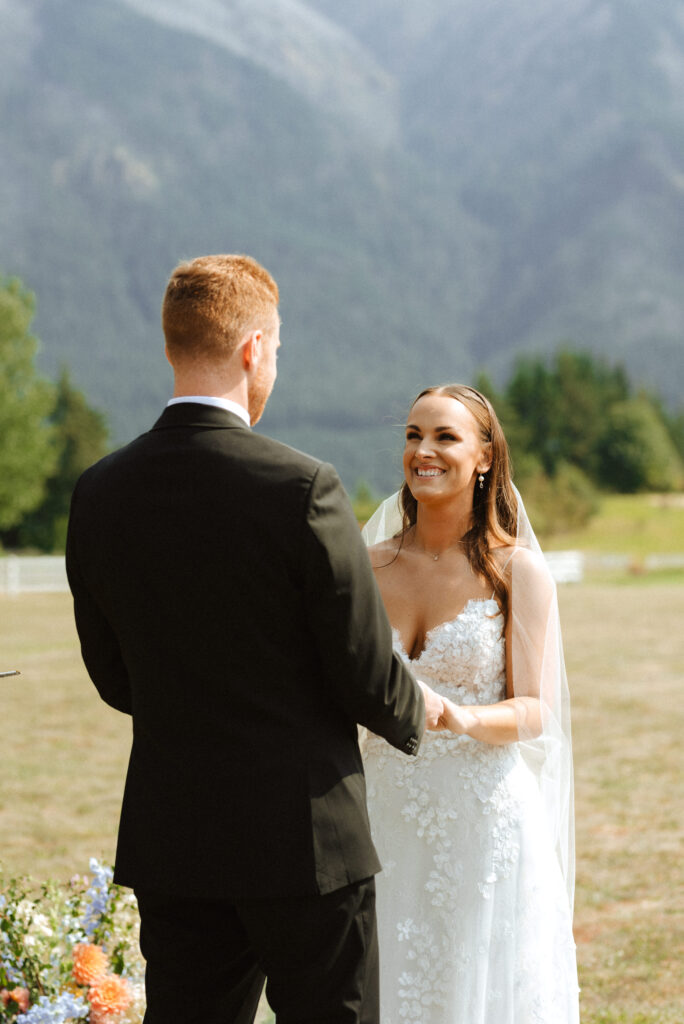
[[436, 558]]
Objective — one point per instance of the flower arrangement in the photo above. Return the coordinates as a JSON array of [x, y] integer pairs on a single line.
[[70, 953]]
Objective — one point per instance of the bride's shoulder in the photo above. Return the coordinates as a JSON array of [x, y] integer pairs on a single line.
[[383, 554], [521, 559]]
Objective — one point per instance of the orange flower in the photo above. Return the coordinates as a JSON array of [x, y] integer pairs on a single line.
[[90, 963], [107, 996], [19, 995]]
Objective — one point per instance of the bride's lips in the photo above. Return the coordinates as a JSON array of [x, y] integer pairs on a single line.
[[425, 472]]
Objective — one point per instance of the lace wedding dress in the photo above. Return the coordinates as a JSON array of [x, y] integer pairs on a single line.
[[473, 915]]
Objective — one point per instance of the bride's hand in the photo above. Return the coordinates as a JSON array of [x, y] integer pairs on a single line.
[[434, 707], [457, 718]]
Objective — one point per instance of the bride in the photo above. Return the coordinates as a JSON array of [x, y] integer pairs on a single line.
[[475, 834]]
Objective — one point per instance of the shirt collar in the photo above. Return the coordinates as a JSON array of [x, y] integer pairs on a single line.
[[221, 403]]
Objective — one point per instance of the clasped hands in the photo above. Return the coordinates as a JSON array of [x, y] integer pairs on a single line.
[[441, 713]]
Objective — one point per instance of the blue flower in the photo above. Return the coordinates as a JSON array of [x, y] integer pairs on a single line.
[[64, 1008], [97, 896]]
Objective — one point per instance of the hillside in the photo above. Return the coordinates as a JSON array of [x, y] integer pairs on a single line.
[[435, 188]]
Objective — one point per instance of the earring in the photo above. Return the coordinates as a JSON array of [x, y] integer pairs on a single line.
[[481, 479]]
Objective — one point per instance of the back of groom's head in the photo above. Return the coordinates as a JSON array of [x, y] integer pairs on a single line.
[[211, 303]]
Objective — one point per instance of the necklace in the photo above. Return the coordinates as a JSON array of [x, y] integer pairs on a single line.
[[436, 557]]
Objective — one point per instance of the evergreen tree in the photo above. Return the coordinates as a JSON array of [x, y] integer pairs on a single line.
[[81, 438], [585, 390], [562, 408], [531, 395], [27, 451]]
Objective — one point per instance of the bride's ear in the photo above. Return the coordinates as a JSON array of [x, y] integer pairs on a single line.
[[486, 460]]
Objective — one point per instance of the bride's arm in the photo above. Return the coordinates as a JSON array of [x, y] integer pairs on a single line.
[[528, 640], [493, 723]]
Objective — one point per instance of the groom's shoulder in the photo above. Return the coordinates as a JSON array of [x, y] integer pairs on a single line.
[[268, 464], [282, 463], [107, 464]]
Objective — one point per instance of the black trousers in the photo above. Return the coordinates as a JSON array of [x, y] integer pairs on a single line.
[[207, 960]]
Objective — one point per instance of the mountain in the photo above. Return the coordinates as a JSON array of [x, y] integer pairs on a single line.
[[435, 187], [563, 127]]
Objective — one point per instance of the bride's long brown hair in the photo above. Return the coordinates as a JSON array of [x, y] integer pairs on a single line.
[[495, 506]]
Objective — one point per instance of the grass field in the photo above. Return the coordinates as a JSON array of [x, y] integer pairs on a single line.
[[64, 756], [630, 524]]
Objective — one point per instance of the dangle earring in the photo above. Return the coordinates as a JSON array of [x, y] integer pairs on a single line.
[[481, 479]]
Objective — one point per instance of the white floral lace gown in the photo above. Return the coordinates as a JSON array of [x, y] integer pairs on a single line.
[[473, 916]]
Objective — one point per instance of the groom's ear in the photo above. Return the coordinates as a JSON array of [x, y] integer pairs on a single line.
[[251, 349]]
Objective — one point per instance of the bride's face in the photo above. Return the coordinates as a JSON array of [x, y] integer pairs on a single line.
[[444, 452]]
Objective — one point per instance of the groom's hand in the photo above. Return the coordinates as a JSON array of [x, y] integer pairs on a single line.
[[434, 708]]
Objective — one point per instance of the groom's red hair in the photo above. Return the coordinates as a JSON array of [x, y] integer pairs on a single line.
[[211, 303]]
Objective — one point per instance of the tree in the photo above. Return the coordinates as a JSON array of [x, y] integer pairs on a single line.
[[27, 452], [562, 408], [585, 389], [638, 453], [555, 504], [80, 434], [516, 431]]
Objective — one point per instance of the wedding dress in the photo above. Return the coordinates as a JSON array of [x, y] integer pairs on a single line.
[[475, 925]]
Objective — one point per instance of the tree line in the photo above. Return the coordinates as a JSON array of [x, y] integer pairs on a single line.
[[576, 427], [48, 433]]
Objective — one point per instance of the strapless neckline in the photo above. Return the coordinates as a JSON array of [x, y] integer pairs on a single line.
[[431, 633]]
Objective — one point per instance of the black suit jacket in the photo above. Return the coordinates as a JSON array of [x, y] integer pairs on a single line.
[[224, 599]]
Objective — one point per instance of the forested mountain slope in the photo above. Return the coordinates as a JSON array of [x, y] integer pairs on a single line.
[[435, 187]]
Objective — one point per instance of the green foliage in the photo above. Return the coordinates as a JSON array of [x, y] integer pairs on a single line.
[[40, 934], [561, 408], [675, 427], [562, 502], [578, 411], [48, 434], [80, 437], [638, 453], [27, 451], [575, 427], [364, 501]]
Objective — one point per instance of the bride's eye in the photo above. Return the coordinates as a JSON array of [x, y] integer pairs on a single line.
[[412, 435], [448, 437]]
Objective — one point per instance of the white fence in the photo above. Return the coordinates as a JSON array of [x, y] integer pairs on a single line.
[[20, 575], [566, 566]]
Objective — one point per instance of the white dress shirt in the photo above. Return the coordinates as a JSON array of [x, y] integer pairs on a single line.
[[220, 403]]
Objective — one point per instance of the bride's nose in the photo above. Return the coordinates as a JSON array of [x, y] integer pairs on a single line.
[[425, 449]]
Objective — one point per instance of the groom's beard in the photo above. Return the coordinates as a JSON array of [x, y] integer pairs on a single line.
[[258, 392]]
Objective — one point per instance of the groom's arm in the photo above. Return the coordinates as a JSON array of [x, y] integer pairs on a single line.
[[349, 622], [99, 647]]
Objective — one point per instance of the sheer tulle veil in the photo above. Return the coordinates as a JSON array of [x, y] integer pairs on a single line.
[[538, 670]]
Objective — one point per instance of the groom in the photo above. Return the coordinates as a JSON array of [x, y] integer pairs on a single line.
[[223, 598]]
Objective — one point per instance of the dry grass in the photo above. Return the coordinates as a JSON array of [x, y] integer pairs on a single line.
[[64, 757], [64, 752], [625, 652]]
